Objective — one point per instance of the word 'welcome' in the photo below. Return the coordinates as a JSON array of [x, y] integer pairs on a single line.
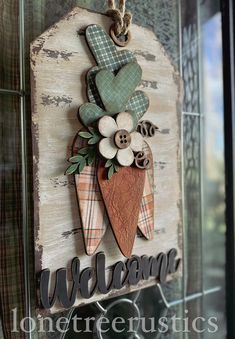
[[92, 280]]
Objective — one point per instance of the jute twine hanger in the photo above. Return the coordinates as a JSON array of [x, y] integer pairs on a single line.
[[120, 30]]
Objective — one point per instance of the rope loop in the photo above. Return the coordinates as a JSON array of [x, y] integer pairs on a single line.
[[122, 19]]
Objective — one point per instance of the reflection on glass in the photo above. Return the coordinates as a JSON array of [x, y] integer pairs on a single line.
[[162, 18], [11, 235], [214, 308], [189, 58], [9, 53], [192, 203], [190, 69], [213, 158], [214, 177], [144, 315]]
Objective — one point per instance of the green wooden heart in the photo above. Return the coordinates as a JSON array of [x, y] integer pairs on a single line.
[[115, 91], [89, 113]]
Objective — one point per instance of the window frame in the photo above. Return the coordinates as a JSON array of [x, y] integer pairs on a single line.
[[228, 21]]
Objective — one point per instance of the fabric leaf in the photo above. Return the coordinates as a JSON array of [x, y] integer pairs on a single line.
[[110, 172], [85, 135], [90, 159], [84, 150], [73, 168], [94, 140], [76, 158], [82, 165], [108, 163]]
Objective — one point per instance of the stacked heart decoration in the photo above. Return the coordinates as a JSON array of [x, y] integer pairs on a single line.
[[112, 162]]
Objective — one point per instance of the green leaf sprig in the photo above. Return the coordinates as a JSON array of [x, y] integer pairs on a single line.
[[93, 136], [112, 167], [85, 157]]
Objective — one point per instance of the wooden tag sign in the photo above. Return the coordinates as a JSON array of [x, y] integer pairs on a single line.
[[98, 233]]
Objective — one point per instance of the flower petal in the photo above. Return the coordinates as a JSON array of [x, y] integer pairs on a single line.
[[107, 148], [136, 142], [125, 157], [107, 126], [125, 121]]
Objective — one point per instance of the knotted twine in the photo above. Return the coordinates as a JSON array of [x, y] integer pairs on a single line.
[[122, 19]]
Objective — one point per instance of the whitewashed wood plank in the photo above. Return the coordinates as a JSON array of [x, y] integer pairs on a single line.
[[60, 60]]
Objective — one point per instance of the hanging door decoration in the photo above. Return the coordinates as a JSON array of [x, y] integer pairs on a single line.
[[111, 169], [106, 99]]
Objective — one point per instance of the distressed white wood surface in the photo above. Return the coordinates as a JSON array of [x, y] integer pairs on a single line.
[[60, 60]]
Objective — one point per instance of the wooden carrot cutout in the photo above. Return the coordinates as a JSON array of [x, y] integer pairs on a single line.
[[122, 196]]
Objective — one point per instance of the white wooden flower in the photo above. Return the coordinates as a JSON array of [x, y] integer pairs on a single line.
[[120, 140]]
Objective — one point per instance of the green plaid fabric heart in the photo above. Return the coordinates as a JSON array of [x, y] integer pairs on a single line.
[[115, 91], [109, 58], [106, 56], [89, 113], [104, 51], [138, 104]]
